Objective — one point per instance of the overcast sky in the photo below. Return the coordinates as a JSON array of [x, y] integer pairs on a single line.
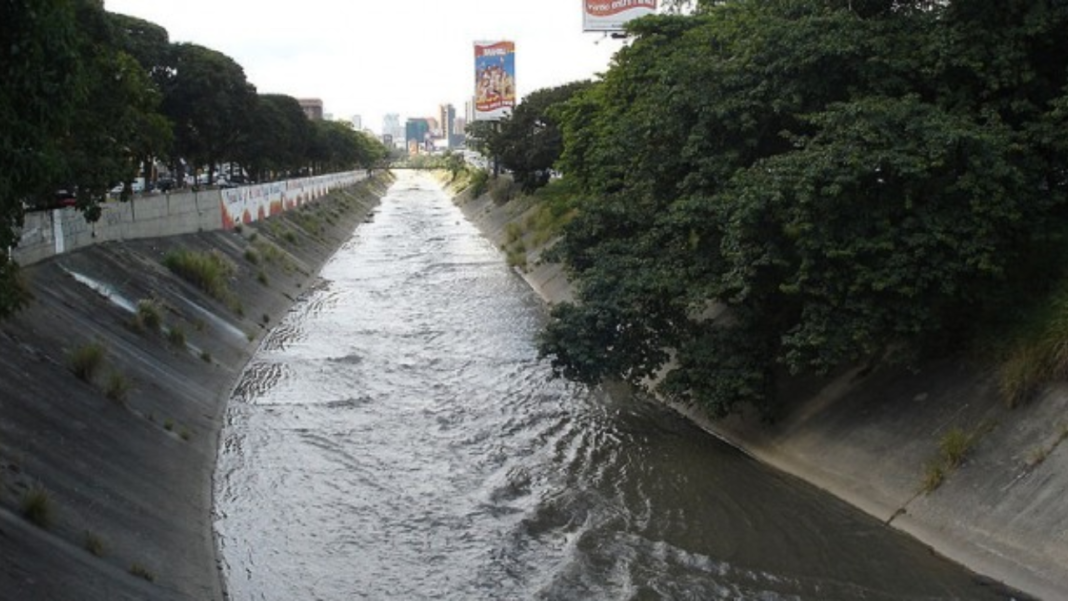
[[387, 56]]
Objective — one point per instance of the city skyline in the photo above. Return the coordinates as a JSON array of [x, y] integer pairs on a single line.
[[405, 57]]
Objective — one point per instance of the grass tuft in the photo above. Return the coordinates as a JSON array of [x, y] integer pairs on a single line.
[[209, 271], [37, 507], [85, 360], [142, 572], [149, 316], [93, 544], [176, 336], [117, 387], [933, 476], [954, 446], [1036, 351]]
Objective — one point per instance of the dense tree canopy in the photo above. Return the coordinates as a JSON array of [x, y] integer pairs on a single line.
[[41, 89], [210, 102], [530, 141], [794, 186], [279, 137], [88, 97]]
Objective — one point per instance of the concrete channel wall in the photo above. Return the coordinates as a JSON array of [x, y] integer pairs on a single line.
[[122, 476], [46, 234]]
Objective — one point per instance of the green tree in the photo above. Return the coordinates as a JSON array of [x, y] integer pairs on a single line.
[[210, 103], [117, 126], [530, 141], [793, 186], [279, 136], [42, 87]]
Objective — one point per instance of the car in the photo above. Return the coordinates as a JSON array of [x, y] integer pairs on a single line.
[[60, 199], [165, 183]]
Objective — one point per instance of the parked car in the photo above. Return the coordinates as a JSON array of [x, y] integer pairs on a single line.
[[165, 183], [137, 186], [60, 199]]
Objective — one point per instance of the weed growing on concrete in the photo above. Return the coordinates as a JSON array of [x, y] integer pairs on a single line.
[[117, 387], [265, 318], [176, 336], [37, 507], [933, 475], [142, 572], [1034, 353], [85, 360], [209, 271], [252, 257], [954, 446], [502, 189], [148, 317], [512, 232], [255, 236], [205, 356], [517, 257], [479, 181], [93, 543], [185, 434], [168, 424], [290, 237], [261, 277]]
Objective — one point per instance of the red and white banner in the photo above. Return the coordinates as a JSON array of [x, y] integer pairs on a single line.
[[611, 15]]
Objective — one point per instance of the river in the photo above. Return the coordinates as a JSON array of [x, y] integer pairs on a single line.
[[397, 437]]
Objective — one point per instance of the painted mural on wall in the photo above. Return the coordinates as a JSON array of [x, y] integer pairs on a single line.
[[253, 203]]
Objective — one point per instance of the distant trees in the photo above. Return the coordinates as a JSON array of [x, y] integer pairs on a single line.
[[279, 137], [210, 103], [89, 97], [790, 187], [529, 141]]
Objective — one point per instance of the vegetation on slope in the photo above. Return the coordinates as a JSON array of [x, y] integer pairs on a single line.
[[788, 187]]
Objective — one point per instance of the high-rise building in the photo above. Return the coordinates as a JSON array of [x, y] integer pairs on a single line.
[[391, 125], [447, 118], [416, 130], [469, 110], [313, 108], [460, 137], [357, 123]]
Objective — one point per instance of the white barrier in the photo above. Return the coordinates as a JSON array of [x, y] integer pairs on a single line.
[[49, 233]]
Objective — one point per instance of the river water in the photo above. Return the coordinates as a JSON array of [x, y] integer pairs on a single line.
[[397, 437]]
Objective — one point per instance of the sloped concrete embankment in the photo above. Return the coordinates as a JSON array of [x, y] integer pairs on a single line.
[[870, 438], [121, 486]]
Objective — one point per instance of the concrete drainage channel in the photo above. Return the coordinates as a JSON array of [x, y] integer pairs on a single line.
[[113, 386]]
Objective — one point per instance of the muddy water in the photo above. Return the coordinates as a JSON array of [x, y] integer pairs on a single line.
[[397, 438]]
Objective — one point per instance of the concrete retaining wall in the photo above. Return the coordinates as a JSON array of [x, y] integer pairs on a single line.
[[49, 233]]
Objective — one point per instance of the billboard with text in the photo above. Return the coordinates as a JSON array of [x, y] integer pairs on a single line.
[[494, 80], [611, 15]]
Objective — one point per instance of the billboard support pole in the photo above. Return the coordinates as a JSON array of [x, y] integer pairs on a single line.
[[496, 157]]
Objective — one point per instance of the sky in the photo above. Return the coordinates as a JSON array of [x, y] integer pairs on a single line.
[[387, 56]]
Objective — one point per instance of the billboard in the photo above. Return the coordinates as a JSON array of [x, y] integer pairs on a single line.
[[494, 80], [611, 15]]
